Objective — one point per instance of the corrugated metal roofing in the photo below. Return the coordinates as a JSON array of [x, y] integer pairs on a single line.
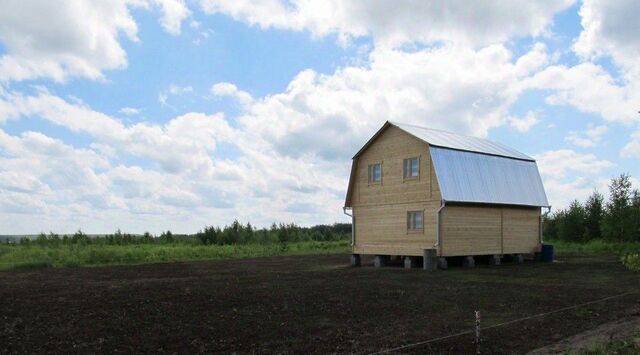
[[470, 177], [446, 139]]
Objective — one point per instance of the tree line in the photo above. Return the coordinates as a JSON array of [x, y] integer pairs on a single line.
[[617, 219], [234, 233]]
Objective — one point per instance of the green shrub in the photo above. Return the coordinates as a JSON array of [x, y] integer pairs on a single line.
[[631, 261]]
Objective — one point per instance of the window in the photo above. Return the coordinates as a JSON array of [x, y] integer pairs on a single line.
[[375, 173], [411, 168], [414, 221]]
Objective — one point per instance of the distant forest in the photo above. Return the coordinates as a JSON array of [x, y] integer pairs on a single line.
[[234, 233], [616, 220]]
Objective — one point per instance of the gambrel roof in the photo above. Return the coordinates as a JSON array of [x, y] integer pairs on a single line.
[[474, 170]]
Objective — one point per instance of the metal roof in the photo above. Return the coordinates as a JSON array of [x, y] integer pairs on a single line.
[[435, 137], [465, 176]]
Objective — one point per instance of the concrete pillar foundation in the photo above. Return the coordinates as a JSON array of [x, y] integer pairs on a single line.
[[494, 260], [469, 262], [380, 261], [429, 260], [355, 259], [410, 262], [442, 263], [518, 258]]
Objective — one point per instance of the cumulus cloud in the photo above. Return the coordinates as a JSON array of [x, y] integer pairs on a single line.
[[588, 138], [174, 12], [229, 89], [181, 144], [72, 38], [42, 38], [173, 90], [448, 87], [557, 163], [182, 175], [36, 167], [589, 88], [632, 148], [524, 124], [477, 23], [130, 111], [569, 175], [610, 28]]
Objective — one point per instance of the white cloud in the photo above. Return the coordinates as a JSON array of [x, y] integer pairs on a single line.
[[524, 124], [588, 138], [557, 163], [478, 23], [588, 88], [45, 172], [228, 89], [43, 39], [173, 13], [173, 90], [179, 90], [632, 148], [72, 38], [130, 111], [181, 144], [610, 28], [449, 87], [569, 175]]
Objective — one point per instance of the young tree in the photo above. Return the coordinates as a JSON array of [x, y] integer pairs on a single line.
[[594, 209], [550, 225], [572, 225], [617, 224], [635, 215]]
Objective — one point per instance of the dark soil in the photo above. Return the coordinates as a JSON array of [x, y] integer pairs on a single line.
[[304, 304]]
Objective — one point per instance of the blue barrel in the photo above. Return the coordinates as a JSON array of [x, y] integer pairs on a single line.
[[547, 253]]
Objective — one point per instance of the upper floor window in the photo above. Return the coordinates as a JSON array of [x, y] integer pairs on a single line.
[[411, 168], [375, 172], [415, 220]]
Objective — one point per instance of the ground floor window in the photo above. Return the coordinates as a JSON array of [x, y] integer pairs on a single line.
[[415, 220]]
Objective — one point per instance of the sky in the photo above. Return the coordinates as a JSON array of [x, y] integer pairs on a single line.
[[152, 115]]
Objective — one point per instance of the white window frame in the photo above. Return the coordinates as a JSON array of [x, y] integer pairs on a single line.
[[370, 173], [407, 168], [412, 221]]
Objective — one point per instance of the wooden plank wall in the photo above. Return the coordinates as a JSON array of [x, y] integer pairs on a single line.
[[380, 210], [383, 229], [476, 230], [390, 149], [521, 230], [471, 231]]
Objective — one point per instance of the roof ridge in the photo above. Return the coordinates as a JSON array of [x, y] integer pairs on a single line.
[[498, 149], [445, 131]]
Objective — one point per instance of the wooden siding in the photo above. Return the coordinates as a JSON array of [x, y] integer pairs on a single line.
[[521, 230], [390, 149], [383, 229], [471, 231], [380, 209], [476, 230]]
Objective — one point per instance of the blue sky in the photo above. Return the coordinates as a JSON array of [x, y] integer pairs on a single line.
[[150, 115]]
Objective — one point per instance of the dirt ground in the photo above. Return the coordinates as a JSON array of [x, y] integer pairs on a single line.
[[619, 329], [304, 304]]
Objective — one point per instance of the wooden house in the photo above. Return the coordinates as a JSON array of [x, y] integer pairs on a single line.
[[418, 192]]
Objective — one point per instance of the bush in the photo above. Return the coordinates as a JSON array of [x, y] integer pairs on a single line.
[[632, 261]]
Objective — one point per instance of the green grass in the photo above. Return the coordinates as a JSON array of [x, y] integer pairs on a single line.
[[594, 247], [629, 346], [13, 257]]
